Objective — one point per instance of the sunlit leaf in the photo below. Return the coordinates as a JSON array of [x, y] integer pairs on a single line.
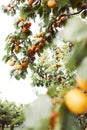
[[75, 30], [67, 120], [82, 70]]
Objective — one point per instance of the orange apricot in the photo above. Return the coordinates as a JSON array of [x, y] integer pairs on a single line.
[[52, 3], [76, 101]]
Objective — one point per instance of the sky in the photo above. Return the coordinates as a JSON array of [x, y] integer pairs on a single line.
[[11, 89]]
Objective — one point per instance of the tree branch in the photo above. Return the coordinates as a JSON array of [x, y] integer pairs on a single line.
[[70, 14]]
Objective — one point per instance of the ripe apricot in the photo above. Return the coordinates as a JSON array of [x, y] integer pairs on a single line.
[[76, 101], [63, 18], [27, 25], [57, 18], [37, 49], [19, 67], [24, 29], [20, 19], [41, 44], [42, 40], [12, 40], [52, 3], [16, 48], [33, 47], [39, 35], [12, 63], [57, 25], [25, 64], [30, 2], [81, 83]]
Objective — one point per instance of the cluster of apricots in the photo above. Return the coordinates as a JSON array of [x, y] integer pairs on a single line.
[[50, 3], [31, 51], [20, 66], [36, 48], [16, 44], [60, 21], [76, 98], [26, 24]]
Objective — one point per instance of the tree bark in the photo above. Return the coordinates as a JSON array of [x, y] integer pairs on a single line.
[[11, 127], [2, 126]]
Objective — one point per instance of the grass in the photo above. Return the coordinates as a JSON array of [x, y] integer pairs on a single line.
[[8, 128]]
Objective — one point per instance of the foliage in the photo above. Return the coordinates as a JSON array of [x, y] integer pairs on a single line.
[[55, 55], [10, 114]]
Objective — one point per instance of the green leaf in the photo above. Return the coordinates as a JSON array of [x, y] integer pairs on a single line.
[[23, 35], [75, 30], [24, 11], [44, 1], [37, 113], [82, 70], [23, 76], [40, 11], [67, 120], [62, 3], [55, 11], [74, 3], [84, 14], [5, 58], [79, 52], [17, 77], [52, 91]]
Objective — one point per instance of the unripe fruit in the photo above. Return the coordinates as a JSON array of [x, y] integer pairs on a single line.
[[81, 83], [52, 3], [76, 101]]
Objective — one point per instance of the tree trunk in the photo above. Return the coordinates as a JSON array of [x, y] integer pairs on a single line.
[[11, 127], [2, 126]]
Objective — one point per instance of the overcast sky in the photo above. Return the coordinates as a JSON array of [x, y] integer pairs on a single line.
[[11, 89]]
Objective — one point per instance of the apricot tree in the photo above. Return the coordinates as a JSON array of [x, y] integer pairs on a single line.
[[56, 54], [10, 114]]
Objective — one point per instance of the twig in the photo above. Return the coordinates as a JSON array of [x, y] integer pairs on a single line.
[[69, 14]]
